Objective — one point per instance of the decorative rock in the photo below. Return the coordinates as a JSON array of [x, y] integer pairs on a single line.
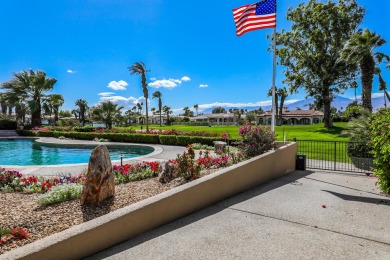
[[99, 184], [168, 173]]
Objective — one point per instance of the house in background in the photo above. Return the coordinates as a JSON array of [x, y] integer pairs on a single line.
[[292, 117]]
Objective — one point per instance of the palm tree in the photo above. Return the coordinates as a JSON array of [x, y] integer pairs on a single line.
[[158, 95], [107, 112], [31, 86], [196, 107], [186, 111], [153, 109], [276, 99], [139, 68], [3, 103], [382, 84], [167, 110], [83, 106], [129, 115], [282, 93], [361, 50], [52, 104], [139, 107]]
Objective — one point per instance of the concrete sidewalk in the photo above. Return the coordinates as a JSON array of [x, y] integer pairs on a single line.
[[303, 215]]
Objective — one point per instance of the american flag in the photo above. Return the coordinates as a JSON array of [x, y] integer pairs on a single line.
[[255, 16]]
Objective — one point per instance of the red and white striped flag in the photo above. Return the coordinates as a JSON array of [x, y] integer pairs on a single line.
[[256, 16]]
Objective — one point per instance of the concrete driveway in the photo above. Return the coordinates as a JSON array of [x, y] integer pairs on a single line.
[[303, 215]]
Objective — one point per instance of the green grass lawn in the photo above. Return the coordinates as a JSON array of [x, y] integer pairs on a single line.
[[303, 132], [320, 151]]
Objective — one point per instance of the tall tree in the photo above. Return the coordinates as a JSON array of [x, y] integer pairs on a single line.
[[158, 95], [311, 52], [52, 103], [196, 107], [361, 50], [107, 112], [32, 86], [382, 84], [283, 94], [218, 110], [139, 68], [354, 85], [167, 110], [82, 110], [3, 103]]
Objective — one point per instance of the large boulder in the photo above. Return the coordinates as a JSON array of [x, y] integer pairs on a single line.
[[99, 184]]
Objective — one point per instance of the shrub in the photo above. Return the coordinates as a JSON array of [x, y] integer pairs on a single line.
[[7, 124], [84, 129], [199, 146], [187, 167], [140, 171], [380, 134], [60, 194], [358, 131], [168, 139], [256, 139], [183, 140]]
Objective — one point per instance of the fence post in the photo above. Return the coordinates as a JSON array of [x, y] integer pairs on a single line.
[[335, 144]]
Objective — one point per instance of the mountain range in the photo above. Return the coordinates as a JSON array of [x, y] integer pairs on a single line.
[[339, 102]]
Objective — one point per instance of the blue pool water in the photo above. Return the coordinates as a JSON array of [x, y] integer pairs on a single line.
[[28, 152]]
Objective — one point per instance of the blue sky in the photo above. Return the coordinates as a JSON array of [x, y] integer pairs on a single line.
[[189, 46]]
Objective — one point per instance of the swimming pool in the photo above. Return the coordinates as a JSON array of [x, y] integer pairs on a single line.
[[29, 152]]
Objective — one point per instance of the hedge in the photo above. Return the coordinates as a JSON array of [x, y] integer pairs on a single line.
[[7, 125], [181, 140], [168, 139]]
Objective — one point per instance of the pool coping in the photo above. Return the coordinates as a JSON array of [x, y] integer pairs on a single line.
[[66, 169]]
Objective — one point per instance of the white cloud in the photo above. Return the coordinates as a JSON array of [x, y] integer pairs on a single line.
[[126, 102], [163, 83], [106, 94], [203, 85], [168, 83], [70, 71], [375, 95], [118, 85]]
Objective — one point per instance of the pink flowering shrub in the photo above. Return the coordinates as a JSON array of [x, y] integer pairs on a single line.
[[256, 140]]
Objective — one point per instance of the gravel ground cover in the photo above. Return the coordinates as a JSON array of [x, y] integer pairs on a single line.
[[22, 210]]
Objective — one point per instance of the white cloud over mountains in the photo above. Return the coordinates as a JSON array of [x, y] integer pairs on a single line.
[[240, 105], [126, 102], [118, 85], [168, 83]]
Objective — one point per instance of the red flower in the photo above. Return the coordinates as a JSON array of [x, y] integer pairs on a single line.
[[19, 233]]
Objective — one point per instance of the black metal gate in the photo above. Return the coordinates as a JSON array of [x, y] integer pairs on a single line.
[[336, 155]]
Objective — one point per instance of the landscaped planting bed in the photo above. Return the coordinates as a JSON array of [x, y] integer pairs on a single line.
[[32, 218], [21, 210]]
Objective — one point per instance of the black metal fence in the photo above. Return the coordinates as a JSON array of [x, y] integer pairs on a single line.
[[336, 155]]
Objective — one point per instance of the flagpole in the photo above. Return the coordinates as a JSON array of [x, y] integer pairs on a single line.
[[273, 83]]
